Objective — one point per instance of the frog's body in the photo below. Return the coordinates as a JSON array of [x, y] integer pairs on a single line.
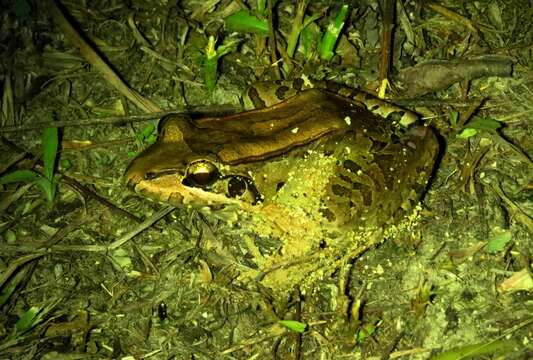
[[311, 169]]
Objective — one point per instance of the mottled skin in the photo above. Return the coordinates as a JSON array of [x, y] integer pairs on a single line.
[[316, 171]]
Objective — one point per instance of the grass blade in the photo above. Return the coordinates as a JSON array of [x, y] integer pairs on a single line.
[[50, 143]]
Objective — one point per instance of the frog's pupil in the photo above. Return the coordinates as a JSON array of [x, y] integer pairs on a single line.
[[202, 178]]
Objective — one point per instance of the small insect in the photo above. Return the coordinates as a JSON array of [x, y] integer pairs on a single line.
[[162, 310]]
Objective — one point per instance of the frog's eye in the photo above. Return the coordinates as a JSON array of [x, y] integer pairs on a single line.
[[201, 173]]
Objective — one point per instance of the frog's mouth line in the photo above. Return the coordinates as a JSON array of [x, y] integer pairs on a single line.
[[171, 187]]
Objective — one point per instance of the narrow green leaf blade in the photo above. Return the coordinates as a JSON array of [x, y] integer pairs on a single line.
[[243, 21], [483, 123], [294, 325], [331, 36], [50, 144], [454, 117], [466, 133], [47, 187], [28, 319], [7, 291], [26, 176]]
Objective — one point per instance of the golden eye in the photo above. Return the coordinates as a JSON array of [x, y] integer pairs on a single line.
[[201, 173]]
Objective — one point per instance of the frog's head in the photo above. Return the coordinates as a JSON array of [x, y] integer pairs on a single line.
[[170, 171], [214, 161]]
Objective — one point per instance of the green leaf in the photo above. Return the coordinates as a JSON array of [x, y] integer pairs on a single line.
[[148, 134], [7, 291], [294, 325], [327, 44], [28, 320], [243, 21], [210, 64], [122, 259], [482, 123], [26, 176], [50, 143], [34, 316], [147, 131], [47, 187], [262, 6], [152, 139], [212, 55], [466, 133], [454, 116], [365, 332], [309, 37], [498, 242]]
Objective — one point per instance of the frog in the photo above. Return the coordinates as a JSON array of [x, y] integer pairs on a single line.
[[309, 175]]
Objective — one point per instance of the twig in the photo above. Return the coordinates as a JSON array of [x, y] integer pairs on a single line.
[[36, 253], [296, 27], [452, 16], [272, 42], [90, 54], [144, 225], [515, 211]]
